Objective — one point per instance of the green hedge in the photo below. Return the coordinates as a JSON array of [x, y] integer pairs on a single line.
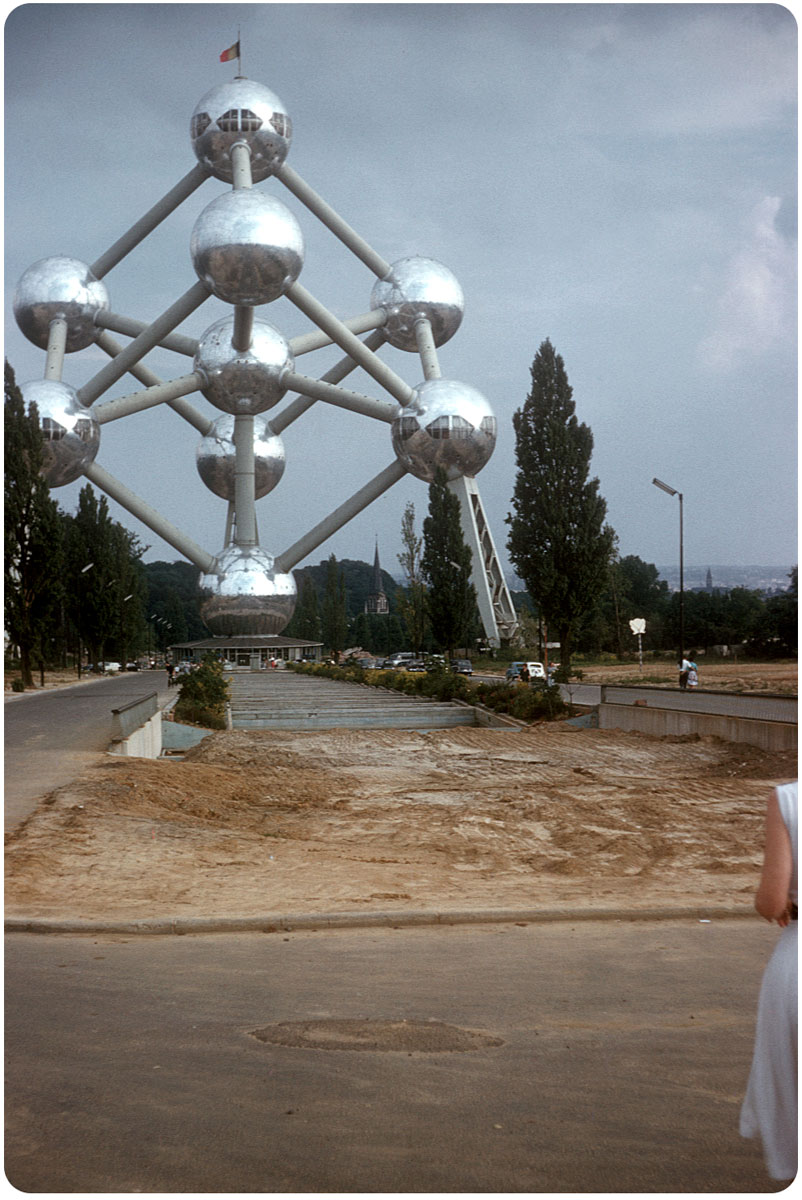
[[203, 695], [524, 703]]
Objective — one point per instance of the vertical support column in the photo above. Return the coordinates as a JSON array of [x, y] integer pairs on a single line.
[[244, 486], [56, 346], [242, 179], [492, 594]]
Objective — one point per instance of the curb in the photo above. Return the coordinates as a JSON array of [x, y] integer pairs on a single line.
[[313, 922]]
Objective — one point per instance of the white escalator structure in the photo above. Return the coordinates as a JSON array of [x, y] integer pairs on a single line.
[[493, 597]]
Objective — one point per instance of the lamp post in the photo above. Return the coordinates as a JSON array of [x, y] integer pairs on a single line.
[[673, 492]]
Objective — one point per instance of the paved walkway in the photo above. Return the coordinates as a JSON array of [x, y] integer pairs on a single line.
[[605, 1057]]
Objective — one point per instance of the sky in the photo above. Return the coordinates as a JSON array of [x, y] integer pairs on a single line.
[[619, 179]]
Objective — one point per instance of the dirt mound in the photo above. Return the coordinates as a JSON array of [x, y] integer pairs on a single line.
[[345, 820]]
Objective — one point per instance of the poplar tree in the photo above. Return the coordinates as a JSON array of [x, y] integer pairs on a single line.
[[413, 602], [446, 569], [559, 543], [335, 614], [32, 540]]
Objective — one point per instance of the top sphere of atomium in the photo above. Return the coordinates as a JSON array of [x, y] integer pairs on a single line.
[[59, 287], [70, 432], [237, 112], [448, 425], [419, 287], [245, 594]]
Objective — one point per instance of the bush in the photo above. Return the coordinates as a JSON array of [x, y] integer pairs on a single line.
[[17, 685], [203, 695]]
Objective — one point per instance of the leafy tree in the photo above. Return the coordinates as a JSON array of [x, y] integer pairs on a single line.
[[91, 566], [305, 622], [558, 541], [334, 616], [203, 694], [413, 601], [446, 569], [33, 546]]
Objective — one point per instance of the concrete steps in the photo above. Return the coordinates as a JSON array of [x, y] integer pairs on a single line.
[[283, 700]]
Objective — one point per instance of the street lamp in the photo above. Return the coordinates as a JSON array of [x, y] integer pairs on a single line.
[[673, 492]]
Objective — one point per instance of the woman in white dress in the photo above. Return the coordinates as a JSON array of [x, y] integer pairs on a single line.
[[769, 1110]]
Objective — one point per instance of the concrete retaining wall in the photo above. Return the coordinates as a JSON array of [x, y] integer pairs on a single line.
[[663, 722], [145, 742]]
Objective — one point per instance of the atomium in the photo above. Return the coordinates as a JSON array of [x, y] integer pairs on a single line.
[[70, 433], [246, 594], [243, 381], [59, 288], [247, 249], [216, 458], [448, 425], [240, 111]]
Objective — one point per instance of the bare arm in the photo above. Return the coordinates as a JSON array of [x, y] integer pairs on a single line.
[[771, 900]]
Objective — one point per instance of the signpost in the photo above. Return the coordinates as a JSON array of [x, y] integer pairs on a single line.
[[638, 626]]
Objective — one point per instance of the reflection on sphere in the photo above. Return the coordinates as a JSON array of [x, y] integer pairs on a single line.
[[448, 425], [59, 287], [240, 111], [70, 434], [243, 381], [246, 595], [419, 287], [216, 458], [247, 247]]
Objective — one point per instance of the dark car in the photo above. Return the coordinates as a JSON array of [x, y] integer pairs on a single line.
[[461, 666]]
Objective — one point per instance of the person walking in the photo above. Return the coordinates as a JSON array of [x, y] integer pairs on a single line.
[[684, 668], [769, 1109]]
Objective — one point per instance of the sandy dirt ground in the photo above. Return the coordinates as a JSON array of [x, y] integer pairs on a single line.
[[255, 823]]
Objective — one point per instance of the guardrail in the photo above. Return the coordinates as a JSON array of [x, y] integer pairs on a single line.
[[136, 727]]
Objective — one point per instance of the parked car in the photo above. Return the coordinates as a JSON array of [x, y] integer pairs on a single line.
[[399, 660], [132, 666], [536, 671], [112, 668], [461, 666], [414, 664]]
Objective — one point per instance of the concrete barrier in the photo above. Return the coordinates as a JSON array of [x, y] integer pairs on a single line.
[[137, 728], [664, 722]]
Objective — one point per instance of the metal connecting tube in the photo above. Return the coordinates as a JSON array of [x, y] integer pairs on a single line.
[[244, 487], [150, 379], [382, 410], [315, 341], [351, 344], [340, 228], [426, 348], [341, 516], [138, 232], [301, 404], [160, 393], [243, 328], [241, 165], [150, 517], [56, 347], [131, 328], [146, 340]]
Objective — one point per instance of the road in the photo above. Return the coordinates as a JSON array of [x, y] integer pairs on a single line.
[[52, 736], [614, 1056]]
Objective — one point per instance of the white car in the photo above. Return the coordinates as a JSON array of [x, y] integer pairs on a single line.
[[111, 668]]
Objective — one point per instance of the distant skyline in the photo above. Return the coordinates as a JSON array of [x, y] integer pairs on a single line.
[[618, 178]]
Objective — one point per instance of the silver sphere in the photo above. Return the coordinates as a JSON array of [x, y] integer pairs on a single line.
[[448, 425], [246, 595], [70, 433], [216, 458], [419, 287], [59, 287], [236, 112], [247, 247], [243, 381]]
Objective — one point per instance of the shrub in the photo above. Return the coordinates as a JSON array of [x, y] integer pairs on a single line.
[[17, 685], [203, 695]]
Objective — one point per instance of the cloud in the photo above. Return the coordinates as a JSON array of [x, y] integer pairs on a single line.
[[756, 310]]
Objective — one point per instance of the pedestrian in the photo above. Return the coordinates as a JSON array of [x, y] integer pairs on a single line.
[[523, 674], [769, 1109], [170, 674], [684, 668], [693, 674]]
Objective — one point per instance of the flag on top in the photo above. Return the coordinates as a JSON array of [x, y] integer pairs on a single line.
[[231, 52]]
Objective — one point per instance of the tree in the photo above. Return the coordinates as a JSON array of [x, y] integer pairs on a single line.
[[334, 616], [33, 548], [446, 569], [413, 602], [558, 541], [305, 622]]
